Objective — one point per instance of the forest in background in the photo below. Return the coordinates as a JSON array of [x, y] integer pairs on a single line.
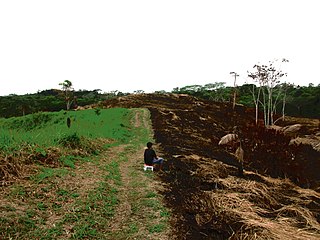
[[49, 101], [300, 101]]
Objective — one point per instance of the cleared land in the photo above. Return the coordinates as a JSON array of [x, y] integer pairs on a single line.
[[89, 183], [278, 196]]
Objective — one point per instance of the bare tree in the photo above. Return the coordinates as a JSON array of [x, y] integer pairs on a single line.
[[234, 88], [268, 77], [256, 92], [285, 87]]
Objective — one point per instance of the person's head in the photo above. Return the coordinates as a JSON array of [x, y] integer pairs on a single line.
[[149, 145]]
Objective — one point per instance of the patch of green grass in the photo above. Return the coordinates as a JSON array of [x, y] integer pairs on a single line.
[[48, 129], [46, 188], [74, 195], [7, 208], [18, 225], [91, 215], [150, 195], [149, 173], [7, 227], [84, 231], [42, 206], [133, 173], [164, 213], [18, 190], [68, 161], [30, 122], [157, 228], [133, 228], [114, 172], [62, 192], [71, 140], [56, 206], [110, 145], [30, 213], [48, 234], [152, 203], [138, 184], [41, 151], [49, 173]]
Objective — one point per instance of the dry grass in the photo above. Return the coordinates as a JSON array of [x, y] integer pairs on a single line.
[[208, 201], [21, 163], [10, 169], [258, 207], [252, 207], [227, 139]]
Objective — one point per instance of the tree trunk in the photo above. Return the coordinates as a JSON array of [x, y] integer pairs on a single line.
[[264, 109], [257, 112], [283, 106]]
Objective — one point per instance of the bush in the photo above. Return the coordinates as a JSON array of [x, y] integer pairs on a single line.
[[82, 145], [70, 141]]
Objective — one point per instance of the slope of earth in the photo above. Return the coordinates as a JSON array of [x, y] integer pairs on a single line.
[[208, 199]]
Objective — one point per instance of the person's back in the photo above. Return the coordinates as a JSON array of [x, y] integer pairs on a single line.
[[149, 156]]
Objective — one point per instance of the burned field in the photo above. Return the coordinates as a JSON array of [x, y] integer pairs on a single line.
[[276, 198]]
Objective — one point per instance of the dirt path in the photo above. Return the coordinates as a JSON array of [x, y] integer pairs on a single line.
[[140, 208], [123, 211]]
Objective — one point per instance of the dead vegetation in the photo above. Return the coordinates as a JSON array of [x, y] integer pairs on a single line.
[[21, 163], [255, 207], [207, 198]]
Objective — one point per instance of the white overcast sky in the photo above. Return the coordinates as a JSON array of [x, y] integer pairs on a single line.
[[153, 45]]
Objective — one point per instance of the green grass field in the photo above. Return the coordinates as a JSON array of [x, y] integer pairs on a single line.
[[49, 129]]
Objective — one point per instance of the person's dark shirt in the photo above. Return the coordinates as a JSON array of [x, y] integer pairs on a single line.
[[149, 155]]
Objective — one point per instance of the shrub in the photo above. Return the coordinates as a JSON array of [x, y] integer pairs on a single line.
[[70, 141]]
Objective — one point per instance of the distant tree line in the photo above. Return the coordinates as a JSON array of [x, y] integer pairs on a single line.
[[300, 101], [50, 100], [266, 92]]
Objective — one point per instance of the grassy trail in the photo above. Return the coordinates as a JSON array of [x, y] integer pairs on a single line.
[[140, 213], [108, 196]]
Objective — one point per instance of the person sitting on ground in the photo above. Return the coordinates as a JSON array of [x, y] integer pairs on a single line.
[[150, 157]]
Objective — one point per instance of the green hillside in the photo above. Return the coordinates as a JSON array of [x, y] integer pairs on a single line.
[[50, 128]]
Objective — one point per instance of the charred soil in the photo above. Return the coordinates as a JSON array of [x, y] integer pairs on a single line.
[[276, 198]]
